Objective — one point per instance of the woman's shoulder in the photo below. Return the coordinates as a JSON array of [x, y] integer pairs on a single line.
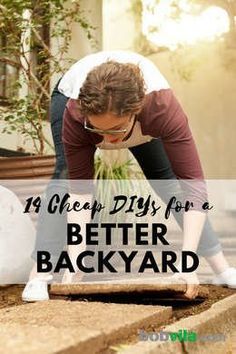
[[157, 101], [158, 110], [73, 109]]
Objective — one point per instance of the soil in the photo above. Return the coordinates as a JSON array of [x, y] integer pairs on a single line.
[[11, 296]]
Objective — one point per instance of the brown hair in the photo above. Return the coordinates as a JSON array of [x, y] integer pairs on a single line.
[[112, 87]]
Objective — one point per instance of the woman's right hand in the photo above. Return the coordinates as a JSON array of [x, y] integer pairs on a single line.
[[192, 282]]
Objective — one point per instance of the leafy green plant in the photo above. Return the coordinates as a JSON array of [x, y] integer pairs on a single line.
[[113, 180], [104, 170], [117, 178], [28, 28]]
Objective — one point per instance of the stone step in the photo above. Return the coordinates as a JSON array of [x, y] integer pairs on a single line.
[[74, 327]]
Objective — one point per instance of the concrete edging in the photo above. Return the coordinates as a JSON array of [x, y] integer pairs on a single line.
[[219, 319]]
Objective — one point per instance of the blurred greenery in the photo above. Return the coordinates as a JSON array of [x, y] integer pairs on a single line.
[[186, 59]]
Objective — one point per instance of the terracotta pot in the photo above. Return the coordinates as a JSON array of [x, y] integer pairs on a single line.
[[25, 167]]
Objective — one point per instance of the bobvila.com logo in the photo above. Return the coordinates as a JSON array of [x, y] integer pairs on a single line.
[[183, 335]]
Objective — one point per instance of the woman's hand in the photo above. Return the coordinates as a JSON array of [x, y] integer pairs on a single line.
[[71, 278], [192, 282]]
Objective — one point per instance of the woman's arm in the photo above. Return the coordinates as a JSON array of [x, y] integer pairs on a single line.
[[79, 154], [169, 122]]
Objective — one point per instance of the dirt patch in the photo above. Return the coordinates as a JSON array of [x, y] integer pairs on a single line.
[[10, 295], [216, 293]]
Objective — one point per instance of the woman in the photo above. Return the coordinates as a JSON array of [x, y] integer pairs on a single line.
[[116, 100]]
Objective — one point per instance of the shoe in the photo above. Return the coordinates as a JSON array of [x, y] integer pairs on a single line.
[[36, 289], [227, 278]]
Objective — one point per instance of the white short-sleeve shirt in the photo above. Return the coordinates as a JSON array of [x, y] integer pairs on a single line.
[[74, 78]]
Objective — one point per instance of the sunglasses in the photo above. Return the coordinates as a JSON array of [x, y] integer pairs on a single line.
[[108, 131]]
